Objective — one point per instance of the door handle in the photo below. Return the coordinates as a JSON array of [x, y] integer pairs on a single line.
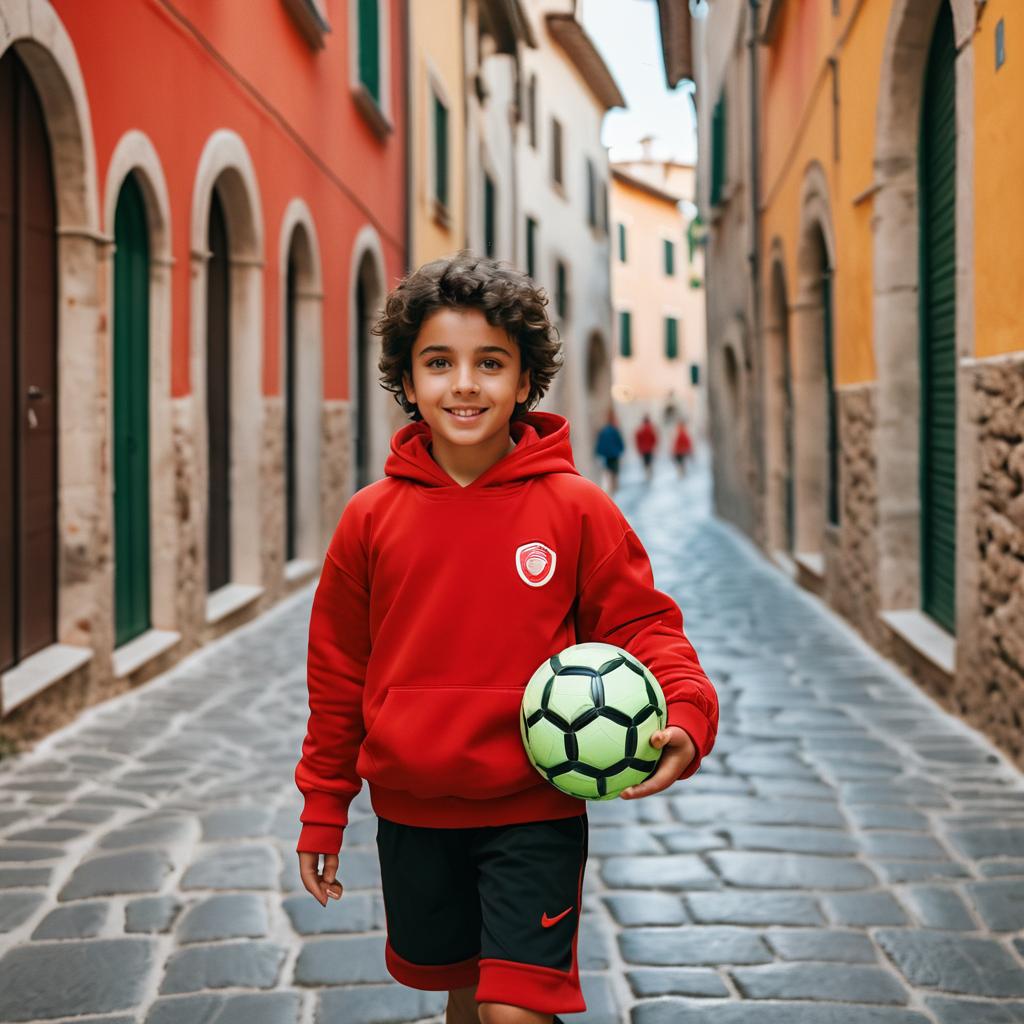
[[35, 392]]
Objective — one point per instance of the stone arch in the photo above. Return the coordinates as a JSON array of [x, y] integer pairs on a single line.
[[778, 404], [896, 325], [598, 382], [729, 397], [815, 260], [225, 165], [38, 36], [135, 155], [377, 415], [299, 243]]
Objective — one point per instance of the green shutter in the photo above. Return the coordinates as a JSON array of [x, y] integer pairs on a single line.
[[670, 257], [531, 247], [831, 416], [440, 151], [937, 191], [489, 215], [671, 337], [369, 47], [622, 243], [625, 333], [718, 150], [591, 194], [561, 291], [131, 414]]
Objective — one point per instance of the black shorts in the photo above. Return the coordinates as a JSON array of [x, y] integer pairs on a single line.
[[496, 907], [647, 456], [612, 462]]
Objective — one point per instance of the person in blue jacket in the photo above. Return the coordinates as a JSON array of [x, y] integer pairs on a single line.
[[610, 447]]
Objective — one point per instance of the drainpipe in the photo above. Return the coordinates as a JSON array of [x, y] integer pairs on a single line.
[[754, 255], [410, 185]]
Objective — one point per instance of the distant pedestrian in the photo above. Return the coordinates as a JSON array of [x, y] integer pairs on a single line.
[[610, 447], [682, 447], [646, 442]]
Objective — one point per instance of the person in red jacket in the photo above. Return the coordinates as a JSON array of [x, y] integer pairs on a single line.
[[646, 441], [682, 447], [481, 553]]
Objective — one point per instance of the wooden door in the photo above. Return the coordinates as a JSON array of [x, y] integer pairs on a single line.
[[218, 399], [131, 414], [28, 371]]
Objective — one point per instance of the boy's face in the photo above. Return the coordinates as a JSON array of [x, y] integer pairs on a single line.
[[460, 362]]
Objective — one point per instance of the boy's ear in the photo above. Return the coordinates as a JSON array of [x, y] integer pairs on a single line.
[[410, 393], [523, 388]]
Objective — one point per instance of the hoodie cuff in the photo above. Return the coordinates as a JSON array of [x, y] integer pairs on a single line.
[[319, 839], [695, 724]]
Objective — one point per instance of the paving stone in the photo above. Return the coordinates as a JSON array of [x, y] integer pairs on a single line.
[[248, 1008], [602, 1006], [753, 907], [898, 871], [833, 982], [973, 1011], [151, 913], [19, 878], [593, 952], [669, 871], [667, 981], [954, 963], [804, 788], [791, 840], [692, 946], [887, 816], [1001, 868], [226, 916], [85, 815], [608, 841], [634, 908], [47, 834], [245, 964], [673, 1011], [341, 961], [378, 1004], [904, 845], [820, 944], [237, 867], [689, 840], [95, 976], [745, 810], [24, 853], [18, 907], [81, 921], [354, 912], [939, 907], [1000, 903], [236, 823], [863, 909], [116, 874], [790, 870], [989, 842], [148, 833]]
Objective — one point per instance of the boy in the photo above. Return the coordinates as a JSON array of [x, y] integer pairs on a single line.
[[428, 620]]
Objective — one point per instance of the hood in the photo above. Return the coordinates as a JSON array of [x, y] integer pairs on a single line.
[[542, 446]]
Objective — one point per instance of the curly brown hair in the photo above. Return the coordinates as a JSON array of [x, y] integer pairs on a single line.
[[506, 297]]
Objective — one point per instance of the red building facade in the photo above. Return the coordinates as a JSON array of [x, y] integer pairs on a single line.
[[201, 206]]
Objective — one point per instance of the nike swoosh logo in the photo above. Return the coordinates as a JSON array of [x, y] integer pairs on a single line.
[[547, 922]]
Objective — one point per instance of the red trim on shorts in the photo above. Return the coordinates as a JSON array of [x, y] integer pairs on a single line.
[[435, 977]]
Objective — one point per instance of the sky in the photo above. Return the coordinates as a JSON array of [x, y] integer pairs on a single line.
[[627, 34]]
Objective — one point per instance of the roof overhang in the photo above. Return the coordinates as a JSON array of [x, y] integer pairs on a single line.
[[771, 21], [642, 186], [580, 48], [508, 24], [676, 40]]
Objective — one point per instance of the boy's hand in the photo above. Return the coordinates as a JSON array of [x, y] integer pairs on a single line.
[[678, 753], [320, 885]]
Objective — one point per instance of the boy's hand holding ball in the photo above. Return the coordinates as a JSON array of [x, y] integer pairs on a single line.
[[320, 885], [677, 751]]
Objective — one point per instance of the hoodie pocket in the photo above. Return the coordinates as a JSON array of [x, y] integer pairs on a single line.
[[437, 741]]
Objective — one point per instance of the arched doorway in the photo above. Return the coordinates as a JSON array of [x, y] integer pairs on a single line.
[[599, 383], [131, 415], [28, 370], [782, 498], [937, 219]]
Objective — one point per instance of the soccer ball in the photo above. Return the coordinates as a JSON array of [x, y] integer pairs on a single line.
[[587, 719]]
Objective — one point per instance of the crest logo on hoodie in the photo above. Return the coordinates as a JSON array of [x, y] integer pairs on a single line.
[[535, 563]]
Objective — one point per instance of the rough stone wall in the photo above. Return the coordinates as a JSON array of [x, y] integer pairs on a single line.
[[335, 464], [989, 690], [851, 585], [191, 577], [272, 501]]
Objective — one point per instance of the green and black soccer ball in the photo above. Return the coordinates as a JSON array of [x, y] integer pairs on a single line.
[[587, 718]]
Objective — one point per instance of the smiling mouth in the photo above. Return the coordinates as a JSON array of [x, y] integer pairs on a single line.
[[465, 414]]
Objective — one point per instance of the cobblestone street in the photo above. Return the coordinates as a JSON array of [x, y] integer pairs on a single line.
[[848, 854]]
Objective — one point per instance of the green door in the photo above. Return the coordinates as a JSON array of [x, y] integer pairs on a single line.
[[131, 413], [937, 191]]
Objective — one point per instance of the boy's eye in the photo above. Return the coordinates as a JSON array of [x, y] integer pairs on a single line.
[[495, 364]]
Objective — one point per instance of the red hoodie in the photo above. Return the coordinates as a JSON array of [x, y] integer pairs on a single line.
[[431, 616]]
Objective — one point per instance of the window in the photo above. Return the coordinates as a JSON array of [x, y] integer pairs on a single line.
[[622, 243], [625, 333], [561, 290], [671, 338], [440, 152], [369, 47], [490, 201], [718, 151], [556, 151], [531, 110], [604, 207], [531, 247], [591, 194], [670, 257], [694, 374]]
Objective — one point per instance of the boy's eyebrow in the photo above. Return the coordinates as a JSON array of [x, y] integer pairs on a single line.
[[448, 348]]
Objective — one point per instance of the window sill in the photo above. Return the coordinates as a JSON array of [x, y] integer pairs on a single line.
[[811, 562], [923, 635], [371, 111], [41, 670], [229, 599], [784, 560], [147, 647], [299, 569]]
